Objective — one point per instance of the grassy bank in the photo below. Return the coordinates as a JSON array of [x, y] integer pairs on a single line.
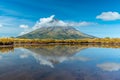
[[16, 41]]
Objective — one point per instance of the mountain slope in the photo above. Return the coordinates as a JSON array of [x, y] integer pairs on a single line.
[[56, 32]]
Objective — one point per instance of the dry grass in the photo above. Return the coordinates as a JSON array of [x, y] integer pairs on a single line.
[[16, 41]]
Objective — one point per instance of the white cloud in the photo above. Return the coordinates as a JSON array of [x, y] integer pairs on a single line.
[[78, 24], [51, 21], [22, 33], [26, 29], [1, 25], [109, 66], [24, 26], [10, 25], [47, 60], [109, 16]]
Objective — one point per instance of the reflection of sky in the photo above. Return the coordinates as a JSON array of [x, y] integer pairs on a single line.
[[101, 54], [94, 56], [107, 59], [103, 63], [1, 57]]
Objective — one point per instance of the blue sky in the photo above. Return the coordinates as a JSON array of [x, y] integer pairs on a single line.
[[17, 16]]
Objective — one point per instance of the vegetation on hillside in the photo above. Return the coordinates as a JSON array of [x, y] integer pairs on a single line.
[[56, 32]]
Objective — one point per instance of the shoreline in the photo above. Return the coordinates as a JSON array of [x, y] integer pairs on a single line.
[[95, 41], [6, 48], [47, 44]]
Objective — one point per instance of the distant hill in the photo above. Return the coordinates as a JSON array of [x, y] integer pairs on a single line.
[[56, 32]]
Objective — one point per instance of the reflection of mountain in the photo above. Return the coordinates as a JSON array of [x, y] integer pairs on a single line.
[[56, 50], [56, 54]]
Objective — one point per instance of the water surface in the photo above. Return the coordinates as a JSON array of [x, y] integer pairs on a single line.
[[59, 62]]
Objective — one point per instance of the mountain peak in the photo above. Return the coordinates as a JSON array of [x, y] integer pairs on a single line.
[[49, 22], [51, 28]]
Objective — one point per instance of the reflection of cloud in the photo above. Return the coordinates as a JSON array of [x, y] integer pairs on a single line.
[[23, 56], [51, 60], [81, 58], [109, 66], [39, 58], [25, 53], [43, 60], [1, 57]]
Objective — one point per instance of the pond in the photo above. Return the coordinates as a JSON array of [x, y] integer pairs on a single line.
[[59, 62]]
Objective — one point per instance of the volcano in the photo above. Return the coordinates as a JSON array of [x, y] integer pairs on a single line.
[[54, 31]]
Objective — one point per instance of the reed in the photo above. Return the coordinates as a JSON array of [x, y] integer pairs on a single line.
[[17, 41]]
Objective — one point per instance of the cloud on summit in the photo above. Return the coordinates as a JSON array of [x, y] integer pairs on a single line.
[[51, 21]]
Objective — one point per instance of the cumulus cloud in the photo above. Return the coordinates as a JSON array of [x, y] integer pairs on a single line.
[[10, 25], [51, 21], [1, 25], [22, 33], [109, 16], [24, 26], [25, 31], [109, 66]]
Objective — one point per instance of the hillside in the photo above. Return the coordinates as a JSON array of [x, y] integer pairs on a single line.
[[56, 32]]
